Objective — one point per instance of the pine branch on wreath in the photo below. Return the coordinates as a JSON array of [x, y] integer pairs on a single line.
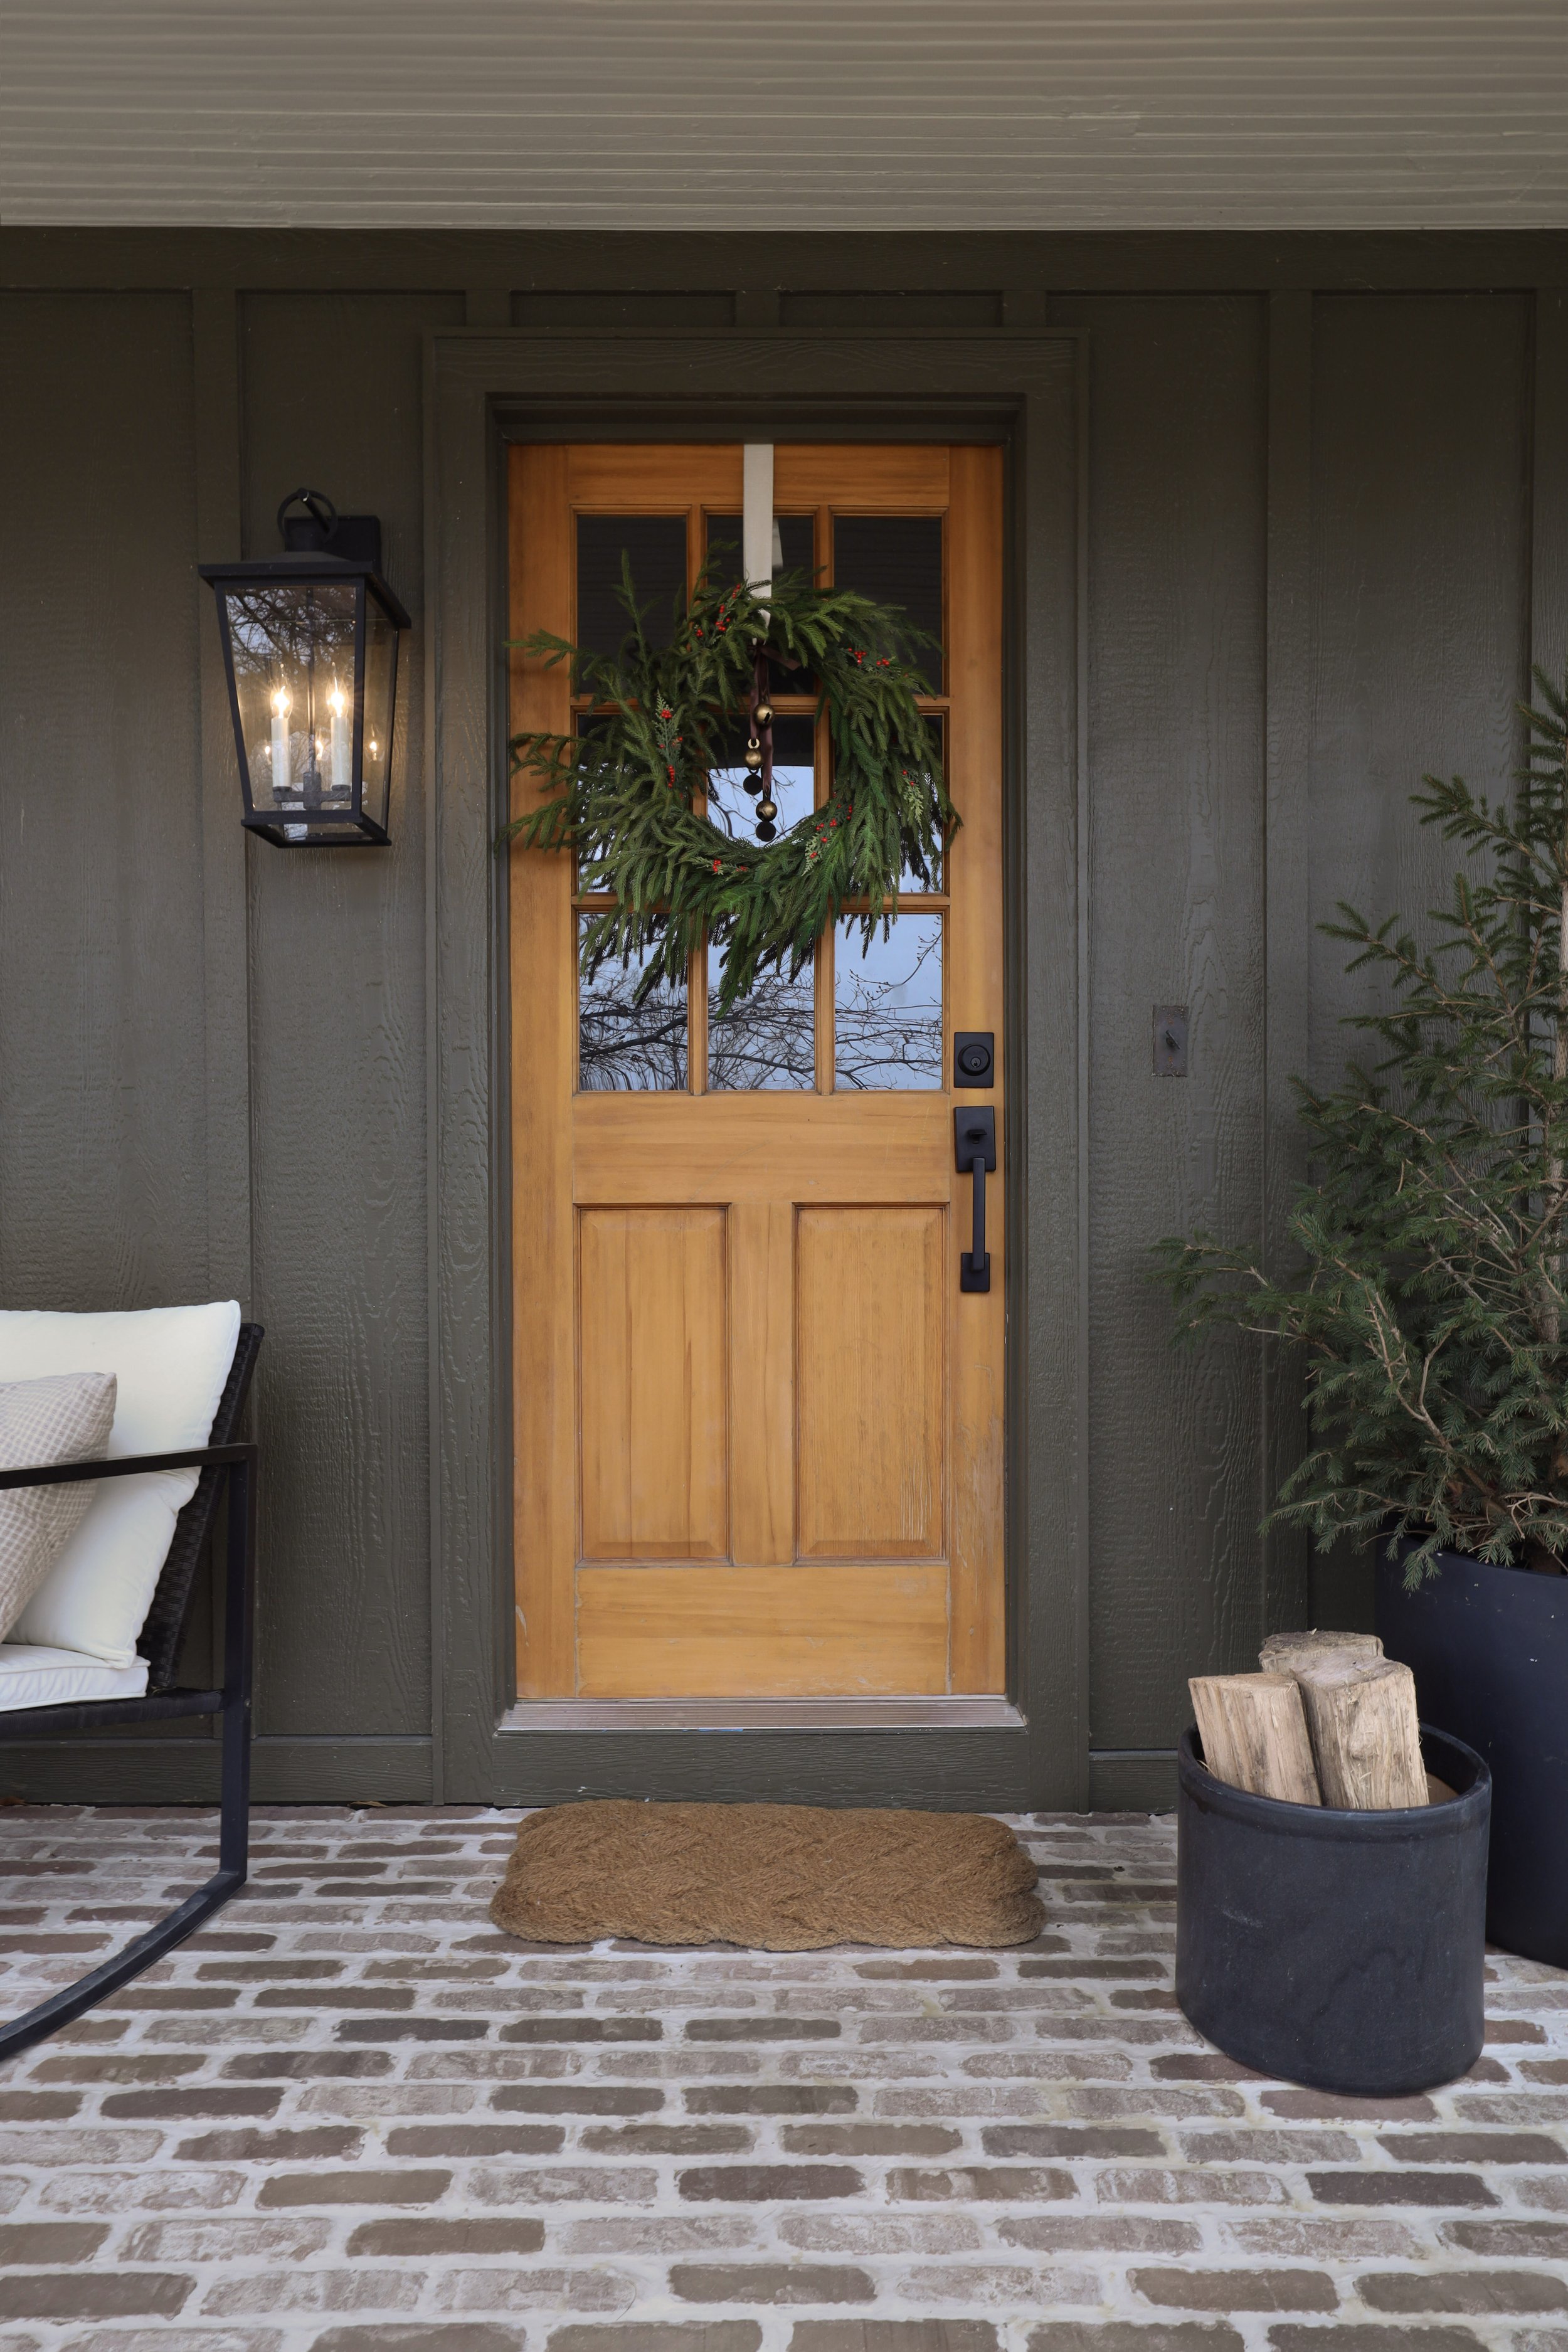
[[622, 795]]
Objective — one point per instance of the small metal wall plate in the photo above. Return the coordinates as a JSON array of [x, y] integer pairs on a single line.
[[1170, 1041]]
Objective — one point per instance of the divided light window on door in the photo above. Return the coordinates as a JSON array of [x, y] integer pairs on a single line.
[[869, 1014], [758, 1443]]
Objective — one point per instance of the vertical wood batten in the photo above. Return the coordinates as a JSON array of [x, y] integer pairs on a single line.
[[1286, 914], [226, 989], [1045, 843], [1083, 1521], [214, 359], [471, 1454], [1548, 486]]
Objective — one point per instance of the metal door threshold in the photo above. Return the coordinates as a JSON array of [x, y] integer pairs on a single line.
[[981, 1712]]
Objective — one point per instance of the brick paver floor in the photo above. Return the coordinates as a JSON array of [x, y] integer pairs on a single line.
[[351, 2117]]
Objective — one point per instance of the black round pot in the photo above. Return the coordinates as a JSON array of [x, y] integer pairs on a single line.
[[1488, 1648], [1341, 1950]]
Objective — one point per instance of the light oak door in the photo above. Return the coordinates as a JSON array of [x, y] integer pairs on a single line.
[[758, 1424]]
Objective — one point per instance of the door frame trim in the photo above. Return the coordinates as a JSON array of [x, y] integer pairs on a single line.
[[483, 391]]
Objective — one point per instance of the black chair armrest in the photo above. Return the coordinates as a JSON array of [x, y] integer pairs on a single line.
[[64, 1473]]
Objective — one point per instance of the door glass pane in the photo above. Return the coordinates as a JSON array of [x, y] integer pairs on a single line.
[[627, 1048], [793, 541], [768, 1040], [886, 1004], [897, 558], [729, 803], [656, 545]]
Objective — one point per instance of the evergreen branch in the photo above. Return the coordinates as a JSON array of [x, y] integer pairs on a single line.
[[1429, 1296]]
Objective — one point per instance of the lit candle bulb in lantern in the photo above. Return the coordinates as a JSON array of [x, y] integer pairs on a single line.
[[282, 762], [337, 703]]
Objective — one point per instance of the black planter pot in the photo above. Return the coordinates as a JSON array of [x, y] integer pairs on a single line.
[[1341, 1950], [1488, 1648]]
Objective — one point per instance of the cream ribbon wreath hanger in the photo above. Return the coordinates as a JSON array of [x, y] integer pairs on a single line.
[[762, 554], [761, 542]]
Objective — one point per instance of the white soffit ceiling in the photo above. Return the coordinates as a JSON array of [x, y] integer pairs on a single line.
[[797, 114]]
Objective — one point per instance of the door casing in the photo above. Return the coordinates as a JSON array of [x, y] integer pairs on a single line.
[[1027, 395]]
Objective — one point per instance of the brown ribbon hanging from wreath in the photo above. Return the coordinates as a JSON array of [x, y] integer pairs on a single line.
[[759, 750]]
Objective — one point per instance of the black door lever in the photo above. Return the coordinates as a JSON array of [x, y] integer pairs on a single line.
[[975, 1136]]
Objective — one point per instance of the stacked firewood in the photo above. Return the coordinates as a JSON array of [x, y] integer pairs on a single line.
[[1328, 1721]]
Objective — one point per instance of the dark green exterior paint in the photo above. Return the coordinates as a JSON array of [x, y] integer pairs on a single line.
[[1289, 516]]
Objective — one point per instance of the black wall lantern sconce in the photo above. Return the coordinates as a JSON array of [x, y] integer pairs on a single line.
[[309, 647]]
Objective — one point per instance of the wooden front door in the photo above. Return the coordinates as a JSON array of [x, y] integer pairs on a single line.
[[758, 1426]]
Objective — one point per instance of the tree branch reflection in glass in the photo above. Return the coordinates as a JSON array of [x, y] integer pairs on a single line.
[[624, 1047], [887, 1000], [767, 1040]]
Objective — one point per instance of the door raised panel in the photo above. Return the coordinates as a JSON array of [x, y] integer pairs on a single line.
[[871, 1303], [652, 1359]]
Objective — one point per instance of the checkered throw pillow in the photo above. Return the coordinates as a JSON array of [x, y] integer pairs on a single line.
[[67, 1417]]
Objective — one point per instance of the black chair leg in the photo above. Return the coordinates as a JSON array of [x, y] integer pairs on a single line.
[[59, 2010], [234, 1818], [142, 1951]]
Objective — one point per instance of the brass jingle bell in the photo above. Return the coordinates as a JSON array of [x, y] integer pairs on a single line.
[[763, 716], [753, 754], [767, 810]]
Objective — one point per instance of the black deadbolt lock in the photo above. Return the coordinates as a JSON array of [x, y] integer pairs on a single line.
[[974, 1058]]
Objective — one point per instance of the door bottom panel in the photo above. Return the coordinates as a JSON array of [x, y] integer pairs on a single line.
[[813, 1629]]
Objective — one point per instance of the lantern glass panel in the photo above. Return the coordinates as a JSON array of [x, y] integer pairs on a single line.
[[380, 705], [293, 648]]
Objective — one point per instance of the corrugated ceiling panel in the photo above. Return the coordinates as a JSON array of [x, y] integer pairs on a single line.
[[827, 114]]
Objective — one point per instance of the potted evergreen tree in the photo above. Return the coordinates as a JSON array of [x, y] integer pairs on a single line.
[[1430, 1303]]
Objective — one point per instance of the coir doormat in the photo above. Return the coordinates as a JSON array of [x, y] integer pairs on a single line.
[[781, 1878]]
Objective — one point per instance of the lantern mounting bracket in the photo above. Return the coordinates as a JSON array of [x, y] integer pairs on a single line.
[[321, 529]]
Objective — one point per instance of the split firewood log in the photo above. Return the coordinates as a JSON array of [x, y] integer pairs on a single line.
[[1287, 1653], [1254, 1731], [1366, 1736]]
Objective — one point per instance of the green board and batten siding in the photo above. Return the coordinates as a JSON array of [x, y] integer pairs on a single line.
[[1301, 520]]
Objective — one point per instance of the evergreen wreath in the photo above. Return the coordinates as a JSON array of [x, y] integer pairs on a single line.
[[621, 794]]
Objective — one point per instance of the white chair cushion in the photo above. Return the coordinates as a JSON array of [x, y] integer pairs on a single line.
[[31, 1677], [171, 1364], [67, 1417]]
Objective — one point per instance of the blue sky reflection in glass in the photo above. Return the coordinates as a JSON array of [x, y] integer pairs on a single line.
[[887, 1000], [732, 806]]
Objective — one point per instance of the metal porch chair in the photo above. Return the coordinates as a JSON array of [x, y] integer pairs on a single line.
[[223, 1461]]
